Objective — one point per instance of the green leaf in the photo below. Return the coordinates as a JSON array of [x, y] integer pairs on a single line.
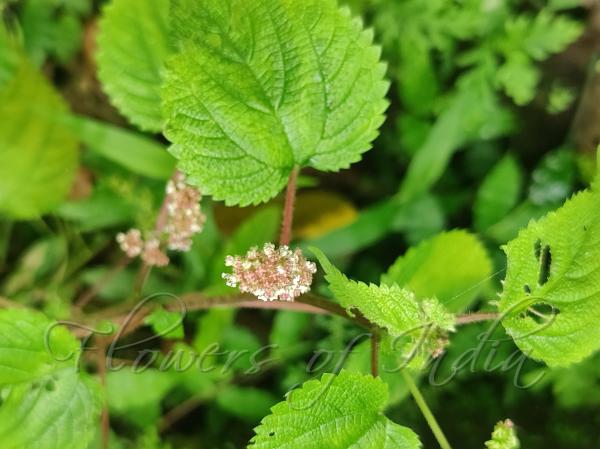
[[392, 359], [58, 411], [337, 412], [287, 334], [418, 219], [545, 34], [249, 404], [136, 396], [389, 306], [128, 149], [553, 180], [38, 157], [133, 44], [519, 78], [503, 436], [473, 112], [51, 28], [31, 346], [452, 266], [498, 194], [166, 324], [10, 56], [551, 300], [268, 85], [46, 403]]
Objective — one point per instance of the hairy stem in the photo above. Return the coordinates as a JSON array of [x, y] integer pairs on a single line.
[[427, 414], [288, 209], [477, 317], [308, 303]]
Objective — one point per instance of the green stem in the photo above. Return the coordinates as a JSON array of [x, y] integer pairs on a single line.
[[431, 421]]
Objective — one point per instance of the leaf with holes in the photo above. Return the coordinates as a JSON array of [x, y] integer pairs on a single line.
[[133, 44], [59, 411], [336, 412], [45, 403], [263, 86], [551, 297]]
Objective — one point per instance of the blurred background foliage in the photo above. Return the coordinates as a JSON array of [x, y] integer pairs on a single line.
[[494, 120]]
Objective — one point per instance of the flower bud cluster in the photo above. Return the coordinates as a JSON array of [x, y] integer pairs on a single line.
[[272, 273], [184, 219]]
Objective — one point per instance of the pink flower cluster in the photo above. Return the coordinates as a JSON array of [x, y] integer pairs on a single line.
[[184, 219], [272, 273]]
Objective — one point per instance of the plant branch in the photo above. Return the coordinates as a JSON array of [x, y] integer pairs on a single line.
[[105, 417], [477, 317], [374, 354], [308, 303], [159, 227], [427, 414], [288, 208]]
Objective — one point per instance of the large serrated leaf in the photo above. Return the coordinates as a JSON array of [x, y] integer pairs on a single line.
[[60, 411], [38, 156], [551, 297], [263, 86], [452, 266], [133, 45], [389, 306], [336, 412], [46, 403]]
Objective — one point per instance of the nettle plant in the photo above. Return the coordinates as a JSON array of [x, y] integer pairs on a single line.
[[249, 93]]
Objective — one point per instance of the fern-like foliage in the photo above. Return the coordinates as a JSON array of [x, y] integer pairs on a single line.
[[260, 87], [336, 412]]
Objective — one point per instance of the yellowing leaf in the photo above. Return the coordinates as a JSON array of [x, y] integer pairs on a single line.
[[320, 212], [38, 157]]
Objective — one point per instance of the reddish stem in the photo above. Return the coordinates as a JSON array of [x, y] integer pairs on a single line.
[[374, 353], [288, 208]]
